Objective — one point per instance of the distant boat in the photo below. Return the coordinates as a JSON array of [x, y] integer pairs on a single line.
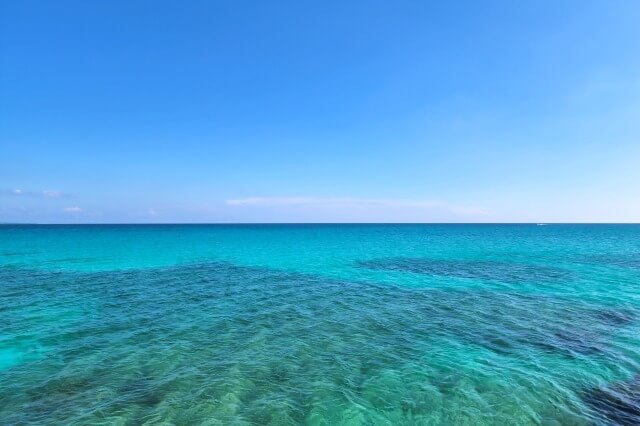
[[541, 224]]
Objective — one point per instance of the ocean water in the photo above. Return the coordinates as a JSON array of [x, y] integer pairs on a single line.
[[320, 324]]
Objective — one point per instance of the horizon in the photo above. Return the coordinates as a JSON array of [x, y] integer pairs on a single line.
[[308, 223], [367, 112]]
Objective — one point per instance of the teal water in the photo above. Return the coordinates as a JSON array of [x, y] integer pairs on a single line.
[[320, 324]]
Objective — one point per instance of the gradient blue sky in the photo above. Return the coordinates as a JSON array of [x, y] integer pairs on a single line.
[[238, 111]]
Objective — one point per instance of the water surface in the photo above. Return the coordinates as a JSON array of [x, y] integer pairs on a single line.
[[320, 324]]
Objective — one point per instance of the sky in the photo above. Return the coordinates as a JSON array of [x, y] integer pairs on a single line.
[[309, 111]]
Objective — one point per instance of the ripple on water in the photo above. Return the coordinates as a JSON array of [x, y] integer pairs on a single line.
[[256, 346]]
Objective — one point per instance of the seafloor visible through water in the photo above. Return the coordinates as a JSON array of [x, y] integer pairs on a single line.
[[320, 324]]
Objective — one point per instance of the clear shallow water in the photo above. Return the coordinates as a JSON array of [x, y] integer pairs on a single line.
[[320, 324]]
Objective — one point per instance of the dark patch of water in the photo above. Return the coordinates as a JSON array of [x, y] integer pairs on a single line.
[[617, 404], [474, 269], [630, 261]]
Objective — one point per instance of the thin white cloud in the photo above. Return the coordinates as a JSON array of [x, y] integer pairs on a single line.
[[316, 201], [52, 194], [73, 209], [469, 211], [355, 203], [47, 193]]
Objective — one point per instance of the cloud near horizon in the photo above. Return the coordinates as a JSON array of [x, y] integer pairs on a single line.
[[46, 193], [355, 203], [52, 194]]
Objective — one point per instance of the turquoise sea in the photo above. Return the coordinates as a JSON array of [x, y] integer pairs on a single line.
[[320, 324]]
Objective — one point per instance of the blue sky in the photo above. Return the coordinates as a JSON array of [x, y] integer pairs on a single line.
[[227, 111]]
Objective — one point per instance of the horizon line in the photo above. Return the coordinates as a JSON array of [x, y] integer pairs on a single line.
[[310, 223]]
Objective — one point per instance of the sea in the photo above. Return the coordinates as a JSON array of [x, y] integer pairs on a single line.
[[320, 324]]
